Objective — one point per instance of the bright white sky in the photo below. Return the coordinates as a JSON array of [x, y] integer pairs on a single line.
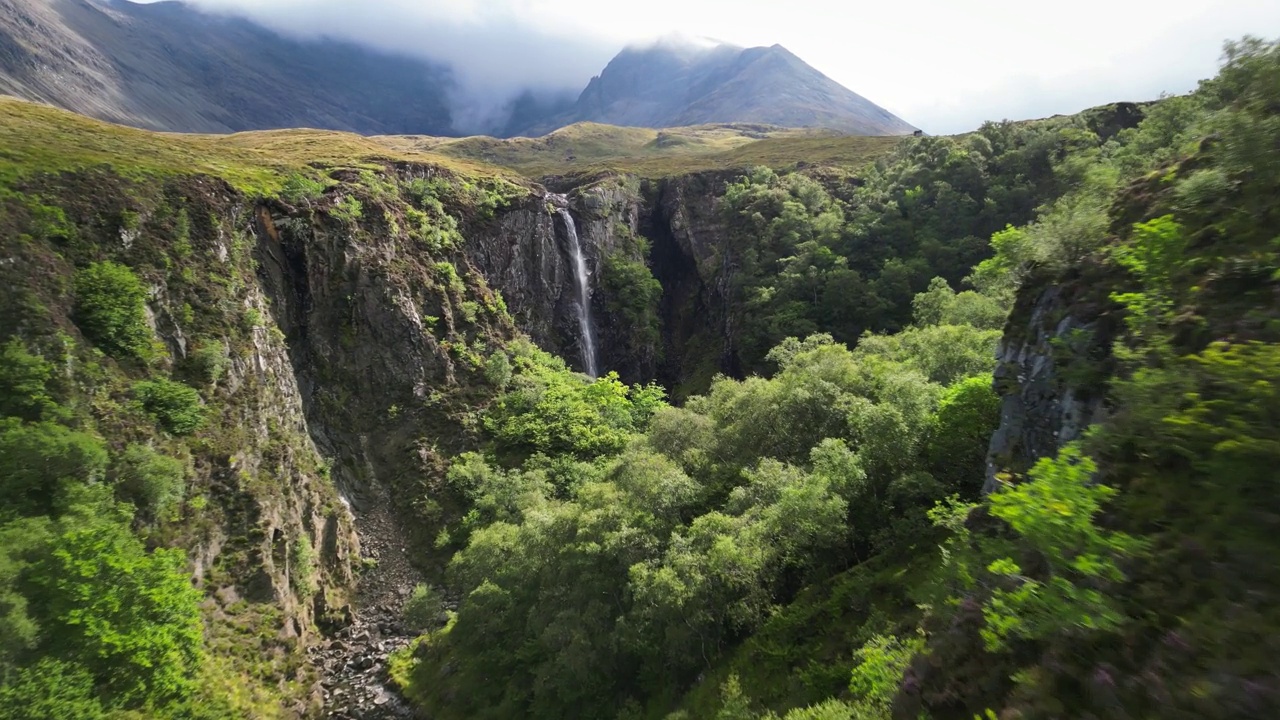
[[942, 65]]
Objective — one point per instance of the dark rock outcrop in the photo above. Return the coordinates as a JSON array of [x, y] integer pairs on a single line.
[[1051, 368]]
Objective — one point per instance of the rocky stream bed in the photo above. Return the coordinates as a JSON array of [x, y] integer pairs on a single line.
[[353, 661]]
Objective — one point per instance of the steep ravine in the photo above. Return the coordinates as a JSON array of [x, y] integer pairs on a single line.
[[355, 354], [387, 355], [351, 302], [387, 397], [388, 394], [356, 365]]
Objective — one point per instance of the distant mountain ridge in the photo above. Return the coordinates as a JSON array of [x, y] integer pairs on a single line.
[[169, 66], [677, 83]]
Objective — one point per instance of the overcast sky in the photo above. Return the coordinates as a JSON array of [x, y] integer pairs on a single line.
[[942, 65]]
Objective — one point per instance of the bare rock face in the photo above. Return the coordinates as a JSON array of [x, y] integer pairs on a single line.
[[673, 226], [524, 253], [696, 264], [1050, 372]]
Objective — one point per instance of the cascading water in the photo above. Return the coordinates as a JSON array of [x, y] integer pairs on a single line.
[[583, 277]]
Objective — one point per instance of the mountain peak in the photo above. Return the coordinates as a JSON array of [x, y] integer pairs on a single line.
[[680, 80], [171, 66]]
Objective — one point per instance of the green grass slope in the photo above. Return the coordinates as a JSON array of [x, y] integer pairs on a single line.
[[37, 138], [587, 148]]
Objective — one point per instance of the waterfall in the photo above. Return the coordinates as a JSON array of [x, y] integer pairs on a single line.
[[583, 278]]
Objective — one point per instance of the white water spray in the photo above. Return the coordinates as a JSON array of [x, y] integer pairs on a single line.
[[583, 277]]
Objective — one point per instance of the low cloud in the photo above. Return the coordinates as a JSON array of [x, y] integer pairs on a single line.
[[940, 65], [496, 50]]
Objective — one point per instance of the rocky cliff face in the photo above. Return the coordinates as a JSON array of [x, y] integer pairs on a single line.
[[351, 331], [523, 253], [1051, 371], [268, 535], [695, 262]]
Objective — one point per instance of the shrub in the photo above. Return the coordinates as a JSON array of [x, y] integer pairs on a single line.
[[208, 360], [497, 370], [111, 309], [302, 567], [174, 405], [424, 609], [49, 221], [153, 482], [299, 189], [22, 382], [447, 273], [182, 235], [40, 461], [349, 209]]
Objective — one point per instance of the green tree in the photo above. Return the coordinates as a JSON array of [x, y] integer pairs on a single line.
[[632, 292], [129, 617], [968, 413], [945, 354], [24, 378], [41, 462], [152, 481], [552, 411], [50, 690], [20, 542], [878, 675], [1053, 514], [940, 305], [111, 309], [734, 704]]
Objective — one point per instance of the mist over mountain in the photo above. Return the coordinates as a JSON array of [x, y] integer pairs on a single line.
[[679, 81], [167, 66], [174, 66]]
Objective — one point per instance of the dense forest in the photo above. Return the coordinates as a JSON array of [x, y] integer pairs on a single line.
[[826, 530], [620, 549]]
